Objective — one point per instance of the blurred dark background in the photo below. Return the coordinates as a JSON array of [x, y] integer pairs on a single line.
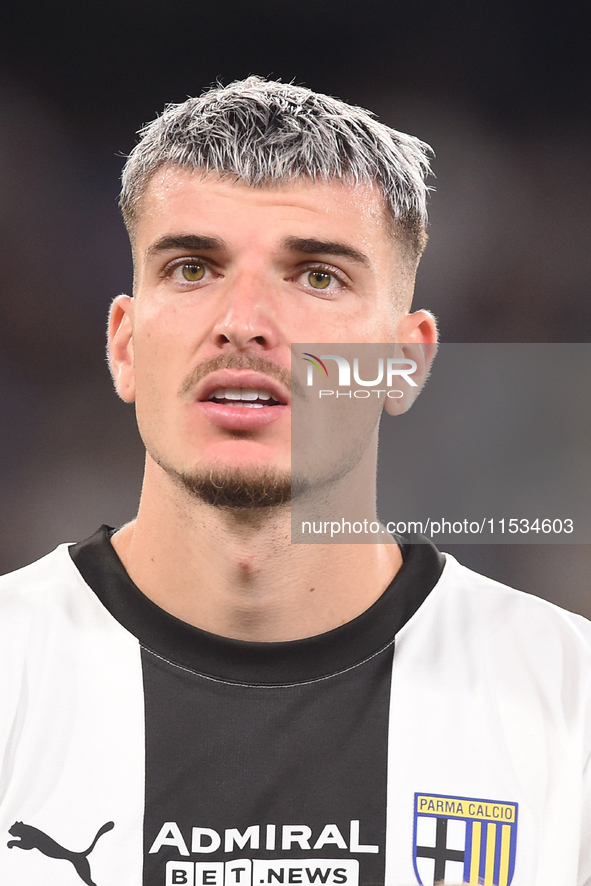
[[501, 91]]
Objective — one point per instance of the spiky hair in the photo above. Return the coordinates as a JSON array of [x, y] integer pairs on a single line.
[[264, 133]]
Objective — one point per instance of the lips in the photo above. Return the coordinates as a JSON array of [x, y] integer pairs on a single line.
[[242, 400], [239, 386]]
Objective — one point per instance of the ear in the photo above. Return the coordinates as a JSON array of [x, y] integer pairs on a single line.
[[417, 334], [120, 347]]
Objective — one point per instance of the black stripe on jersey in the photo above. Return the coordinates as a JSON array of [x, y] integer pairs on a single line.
[[226, 757], [257, 663], [246, 743]]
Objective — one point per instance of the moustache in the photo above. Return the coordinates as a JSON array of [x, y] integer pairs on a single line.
[[251, 362]]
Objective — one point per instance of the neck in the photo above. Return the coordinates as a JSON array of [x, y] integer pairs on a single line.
[[237, 574]]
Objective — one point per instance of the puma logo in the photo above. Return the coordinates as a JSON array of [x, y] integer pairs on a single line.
[[32, 838]]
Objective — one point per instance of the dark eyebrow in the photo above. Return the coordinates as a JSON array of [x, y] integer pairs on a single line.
[[188, 242], [311, 246]]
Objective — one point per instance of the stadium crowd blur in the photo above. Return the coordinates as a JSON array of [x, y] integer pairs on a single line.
[[502, 98]]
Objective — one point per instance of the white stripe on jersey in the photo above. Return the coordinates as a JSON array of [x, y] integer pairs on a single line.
[[491, 699], [75, 697]]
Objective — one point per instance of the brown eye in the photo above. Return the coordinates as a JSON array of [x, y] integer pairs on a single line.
[[319, 279], [193, 272]]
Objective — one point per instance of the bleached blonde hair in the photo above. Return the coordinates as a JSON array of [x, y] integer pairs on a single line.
[[264, 133]]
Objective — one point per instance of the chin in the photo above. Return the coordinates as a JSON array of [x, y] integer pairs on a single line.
[[236, 488]]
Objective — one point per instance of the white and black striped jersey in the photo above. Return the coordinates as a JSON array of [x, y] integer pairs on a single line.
[[441, 736]]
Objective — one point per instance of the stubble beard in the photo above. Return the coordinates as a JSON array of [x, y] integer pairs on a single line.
[[236, 490]]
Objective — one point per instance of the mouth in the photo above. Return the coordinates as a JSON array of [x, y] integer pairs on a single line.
[[242, 388], [249, 398], [241, 400]]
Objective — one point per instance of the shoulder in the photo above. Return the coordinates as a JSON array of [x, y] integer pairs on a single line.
[[41, 596], [473, 624], [52, 625], [38, 578], [503, 608]]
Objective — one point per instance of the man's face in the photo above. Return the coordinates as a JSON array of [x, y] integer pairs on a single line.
[[226, 278]]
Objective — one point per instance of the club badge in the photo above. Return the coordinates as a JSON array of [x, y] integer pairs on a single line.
[[464, 839]]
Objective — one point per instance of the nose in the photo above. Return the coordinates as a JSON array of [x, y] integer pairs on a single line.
[[246, 319]]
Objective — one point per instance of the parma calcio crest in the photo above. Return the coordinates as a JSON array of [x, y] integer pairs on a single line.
[[464, 840]]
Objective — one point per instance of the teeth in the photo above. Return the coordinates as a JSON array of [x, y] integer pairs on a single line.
[[245, 396], [233, 394]]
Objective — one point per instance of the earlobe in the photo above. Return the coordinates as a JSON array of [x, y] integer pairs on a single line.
[[120, 347]]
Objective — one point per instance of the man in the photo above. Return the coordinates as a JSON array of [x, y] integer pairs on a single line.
[[195, 699]]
